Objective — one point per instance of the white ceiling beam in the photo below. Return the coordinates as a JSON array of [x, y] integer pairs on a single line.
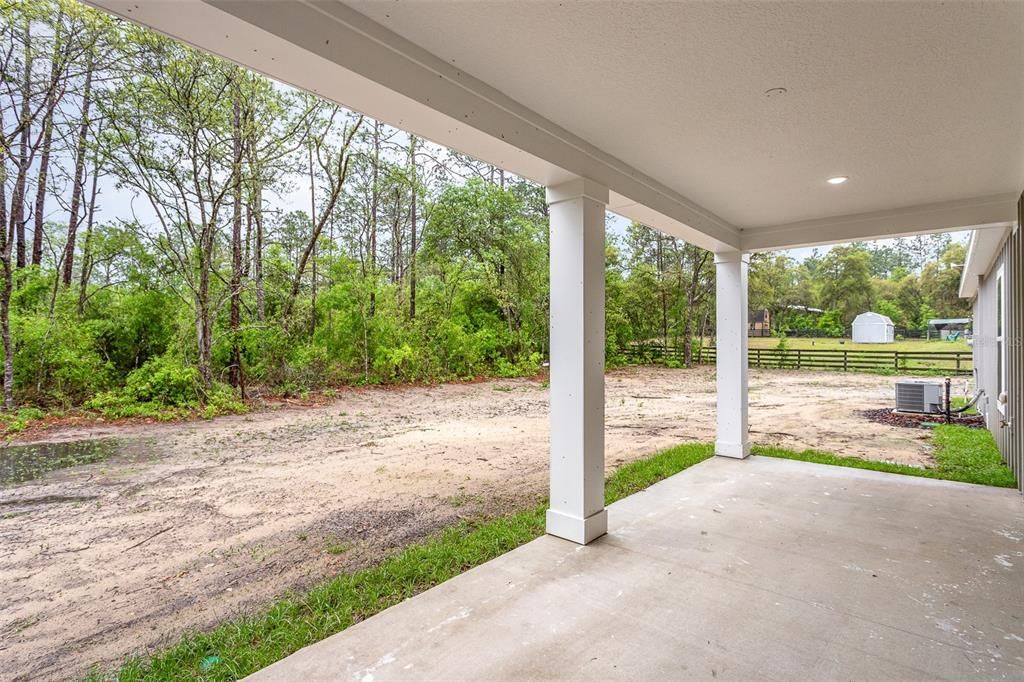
[[326, 47], [947, 216]]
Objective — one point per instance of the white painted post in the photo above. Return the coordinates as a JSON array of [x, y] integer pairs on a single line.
[[577, 210], [733, 439]]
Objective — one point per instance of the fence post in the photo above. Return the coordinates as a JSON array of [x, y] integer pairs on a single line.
[[798, 363], [896, 360], [846, 360], [958, 362]]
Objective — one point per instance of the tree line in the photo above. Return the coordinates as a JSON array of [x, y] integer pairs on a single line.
[[180, 232], [911, 280]]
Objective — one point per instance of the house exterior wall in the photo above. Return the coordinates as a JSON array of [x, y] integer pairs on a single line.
[[1006, 424]]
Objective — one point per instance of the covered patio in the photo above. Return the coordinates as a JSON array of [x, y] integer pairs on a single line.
[[754, 127], [743, 143], [756, 569]]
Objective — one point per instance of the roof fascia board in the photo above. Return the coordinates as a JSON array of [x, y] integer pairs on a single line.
[[984, 249]]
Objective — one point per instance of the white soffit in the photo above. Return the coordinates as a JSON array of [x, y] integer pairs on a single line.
[[917, 102], [920, 103]]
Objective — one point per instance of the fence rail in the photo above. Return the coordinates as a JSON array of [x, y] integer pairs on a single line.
[[896, 361]]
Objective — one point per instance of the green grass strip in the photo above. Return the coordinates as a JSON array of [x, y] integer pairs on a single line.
[[961, 454], [245, 645]]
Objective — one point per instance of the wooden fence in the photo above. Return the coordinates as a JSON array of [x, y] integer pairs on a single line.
[[840, 360]]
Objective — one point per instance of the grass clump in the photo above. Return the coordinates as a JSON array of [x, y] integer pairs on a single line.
[[971, 455], [245, 645], [961, 454]]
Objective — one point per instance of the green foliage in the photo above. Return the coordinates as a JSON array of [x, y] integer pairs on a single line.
[[57, 360], [162, 388], [428, 265], [220, 400], [846, 281], [16, 422], [970, 455]]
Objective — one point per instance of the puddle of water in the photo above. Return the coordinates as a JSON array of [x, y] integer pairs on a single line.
[[19, 463]]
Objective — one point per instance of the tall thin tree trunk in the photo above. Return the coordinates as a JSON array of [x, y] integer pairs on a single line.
[[17, 216], [47, 143], [661, 289], [312, 224], [412, 233], [204, 324], [374, 201], [76, 191], [247, 243], [5, 291], [235, 372], [255, 211], [83, 279], [261, 297], [247, 142]]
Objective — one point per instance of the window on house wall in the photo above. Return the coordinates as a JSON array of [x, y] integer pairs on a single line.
[[1000, 344]]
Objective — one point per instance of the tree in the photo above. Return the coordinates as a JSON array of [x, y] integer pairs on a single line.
[[170, 140], [330, 143], [845, 280], [772, 284], [940, 282]]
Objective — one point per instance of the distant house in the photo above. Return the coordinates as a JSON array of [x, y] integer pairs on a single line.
[[873, 328], [760, 323], [993, 278], [944, 328]]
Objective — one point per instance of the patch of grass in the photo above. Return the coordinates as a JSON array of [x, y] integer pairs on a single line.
[[337, 548], [462, 499], [962, 454], [971, 455], [243, 646], [643, 473]]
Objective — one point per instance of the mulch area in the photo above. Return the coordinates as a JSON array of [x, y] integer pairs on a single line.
[[921, 421]]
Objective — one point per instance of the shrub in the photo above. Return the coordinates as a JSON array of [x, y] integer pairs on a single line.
[[222, 399], [166, 381], [161, 388]]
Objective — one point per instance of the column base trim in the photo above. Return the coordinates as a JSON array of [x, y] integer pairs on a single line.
[[734, 450], [575, 529]]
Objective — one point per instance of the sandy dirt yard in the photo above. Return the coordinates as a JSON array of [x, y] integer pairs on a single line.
[[186, 525]]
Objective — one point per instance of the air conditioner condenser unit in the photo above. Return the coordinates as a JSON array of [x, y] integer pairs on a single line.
[[919, 396]]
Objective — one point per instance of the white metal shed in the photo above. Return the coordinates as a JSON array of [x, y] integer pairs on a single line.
[[873, 328]]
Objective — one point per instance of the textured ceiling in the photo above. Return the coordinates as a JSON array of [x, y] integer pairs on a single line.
[[916, 102]]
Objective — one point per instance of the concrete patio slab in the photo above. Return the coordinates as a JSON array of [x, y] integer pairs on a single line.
[[734, 569]]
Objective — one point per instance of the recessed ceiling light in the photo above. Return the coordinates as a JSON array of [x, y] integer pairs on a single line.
[[838, 180]]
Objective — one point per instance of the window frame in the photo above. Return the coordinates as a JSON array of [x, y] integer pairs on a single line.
[[1000, 336]]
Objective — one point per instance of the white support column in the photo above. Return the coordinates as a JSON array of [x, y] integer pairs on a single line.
[[731, 348], [577, 210]]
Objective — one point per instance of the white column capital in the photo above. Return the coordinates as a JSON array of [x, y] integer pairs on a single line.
[[577, 188], [732, 257]]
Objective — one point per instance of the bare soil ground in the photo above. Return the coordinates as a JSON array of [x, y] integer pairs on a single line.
[[190, 524]]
